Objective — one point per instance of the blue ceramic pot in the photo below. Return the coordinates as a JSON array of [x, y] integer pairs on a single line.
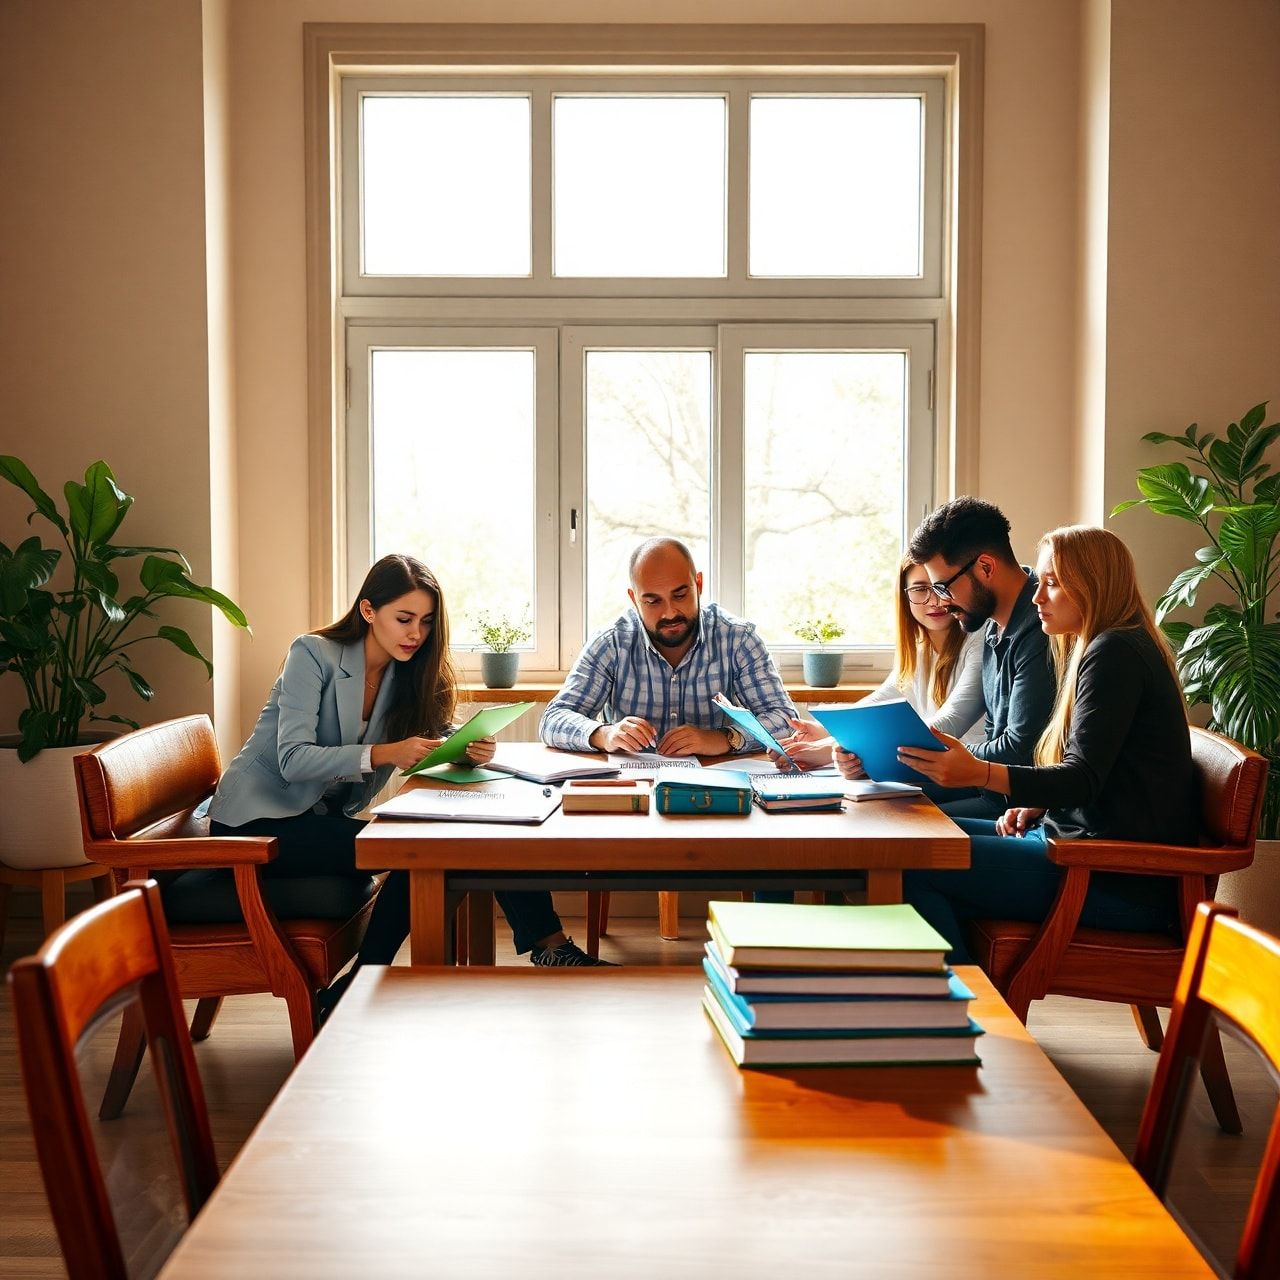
[[822, 668]]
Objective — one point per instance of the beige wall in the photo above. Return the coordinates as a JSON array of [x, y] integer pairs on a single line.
[[1193, 281], [102, 284], [153, 293]]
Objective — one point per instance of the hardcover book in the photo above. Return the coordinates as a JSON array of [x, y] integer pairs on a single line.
[[687, 791], [827, 982], [784, 935], [848, 1013], [606, 795], [841, 1048]]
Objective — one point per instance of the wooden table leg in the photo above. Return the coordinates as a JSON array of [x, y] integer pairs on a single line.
[[426, 917], [480, 943], [668, 915], [884, 885]]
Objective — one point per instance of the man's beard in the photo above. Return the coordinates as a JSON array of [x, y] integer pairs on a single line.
[[979, 614], [674, 639]]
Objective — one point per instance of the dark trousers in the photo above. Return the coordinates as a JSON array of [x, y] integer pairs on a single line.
[[1011, 878], [324, 844]]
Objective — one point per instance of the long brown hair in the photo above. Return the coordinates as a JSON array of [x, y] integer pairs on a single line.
[[912, 637], [426, 687], [1096, 570]]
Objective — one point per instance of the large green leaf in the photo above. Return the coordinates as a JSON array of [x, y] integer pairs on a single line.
[[98, 575], [95, 505], [1182, 590], [176, 636], [24, 569], [1267, 490], [166, 579], [140, 685], [95, 695], [16, 472], [1238, 665], [1172, 490], [1246, 536], [1253, 419], [109, 552], [37, 727]]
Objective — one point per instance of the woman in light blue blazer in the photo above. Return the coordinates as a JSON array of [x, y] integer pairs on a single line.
[[370, 693]]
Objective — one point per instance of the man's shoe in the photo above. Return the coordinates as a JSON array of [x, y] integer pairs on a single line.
[[568, 955]]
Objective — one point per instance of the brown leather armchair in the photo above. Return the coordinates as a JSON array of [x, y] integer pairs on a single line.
[[232, 933], [1029, 961]]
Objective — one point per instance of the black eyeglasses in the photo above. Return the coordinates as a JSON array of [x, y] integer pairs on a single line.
[[943, 589]]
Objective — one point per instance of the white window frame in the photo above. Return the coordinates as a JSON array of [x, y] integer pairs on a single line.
[[458, 53], [737, 282], [363, 341]]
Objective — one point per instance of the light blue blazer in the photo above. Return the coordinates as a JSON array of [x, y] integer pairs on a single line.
[[307, 737]]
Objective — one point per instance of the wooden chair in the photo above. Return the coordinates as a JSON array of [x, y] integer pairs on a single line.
[[1029, 961], [137, 796], [116, 951], [1231, 972]]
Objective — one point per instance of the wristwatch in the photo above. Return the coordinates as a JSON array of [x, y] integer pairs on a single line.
[[736, 737]]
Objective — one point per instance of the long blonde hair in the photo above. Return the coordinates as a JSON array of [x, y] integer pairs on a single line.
[[1096, 570], [912, 637]]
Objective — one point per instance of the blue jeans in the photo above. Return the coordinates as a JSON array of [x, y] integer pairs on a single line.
[[1011, 878]]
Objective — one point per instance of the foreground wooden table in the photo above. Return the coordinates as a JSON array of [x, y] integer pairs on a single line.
[[881, 837], [579, 1123]]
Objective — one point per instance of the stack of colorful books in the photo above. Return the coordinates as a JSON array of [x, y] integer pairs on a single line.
[[790, 985]]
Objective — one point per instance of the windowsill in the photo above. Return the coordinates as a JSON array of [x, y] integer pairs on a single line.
[[544, 691]]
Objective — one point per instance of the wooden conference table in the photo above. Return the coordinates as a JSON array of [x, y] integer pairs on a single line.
[[631, 851], [570, 1123]]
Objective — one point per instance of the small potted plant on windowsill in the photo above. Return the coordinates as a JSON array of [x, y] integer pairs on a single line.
[[500, 662], [821, 665]]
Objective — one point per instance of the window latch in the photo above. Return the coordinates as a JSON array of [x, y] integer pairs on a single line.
[[573, 525]]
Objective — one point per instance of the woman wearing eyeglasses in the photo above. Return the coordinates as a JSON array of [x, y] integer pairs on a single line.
[[937, 669], [1114, 761]]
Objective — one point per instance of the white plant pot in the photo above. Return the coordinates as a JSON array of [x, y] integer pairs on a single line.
[[39, 816], [1254, 891]]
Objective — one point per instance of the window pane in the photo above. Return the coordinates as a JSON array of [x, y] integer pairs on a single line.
[[434, 414], [824, 462], [445, 186], [639, 186], [835, 186], [648, 471]]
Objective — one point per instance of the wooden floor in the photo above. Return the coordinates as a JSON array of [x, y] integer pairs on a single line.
[[248, 1055]]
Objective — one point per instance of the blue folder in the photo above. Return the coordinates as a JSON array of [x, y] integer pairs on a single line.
[[875, 731]]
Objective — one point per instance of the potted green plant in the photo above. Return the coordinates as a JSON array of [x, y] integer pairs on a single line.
[[1229, 659], [822, 666], [62, 644], [500, 662]]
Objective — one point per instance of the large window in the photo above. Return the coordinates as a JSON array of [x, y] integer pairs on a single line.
[[579, 311]]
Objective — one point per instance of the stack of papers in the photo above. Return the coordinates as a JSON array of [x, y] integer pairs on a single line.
[[520, 802]]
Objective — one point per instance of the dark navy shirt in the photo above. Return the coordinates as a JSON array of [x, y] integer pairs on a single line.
[[1018, 683]]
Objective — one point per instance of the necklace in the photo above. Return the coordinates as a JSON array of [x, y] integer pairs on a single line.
[[373, 684]]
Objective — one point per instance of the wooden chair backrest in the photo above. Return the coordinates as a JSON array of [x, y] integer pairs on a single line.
[[1233, 971], [131, 782], [1232, 782], [91, 966]]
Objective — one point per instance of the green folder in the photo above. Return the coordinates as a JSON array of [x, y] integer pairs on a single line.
[[484, 724]]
